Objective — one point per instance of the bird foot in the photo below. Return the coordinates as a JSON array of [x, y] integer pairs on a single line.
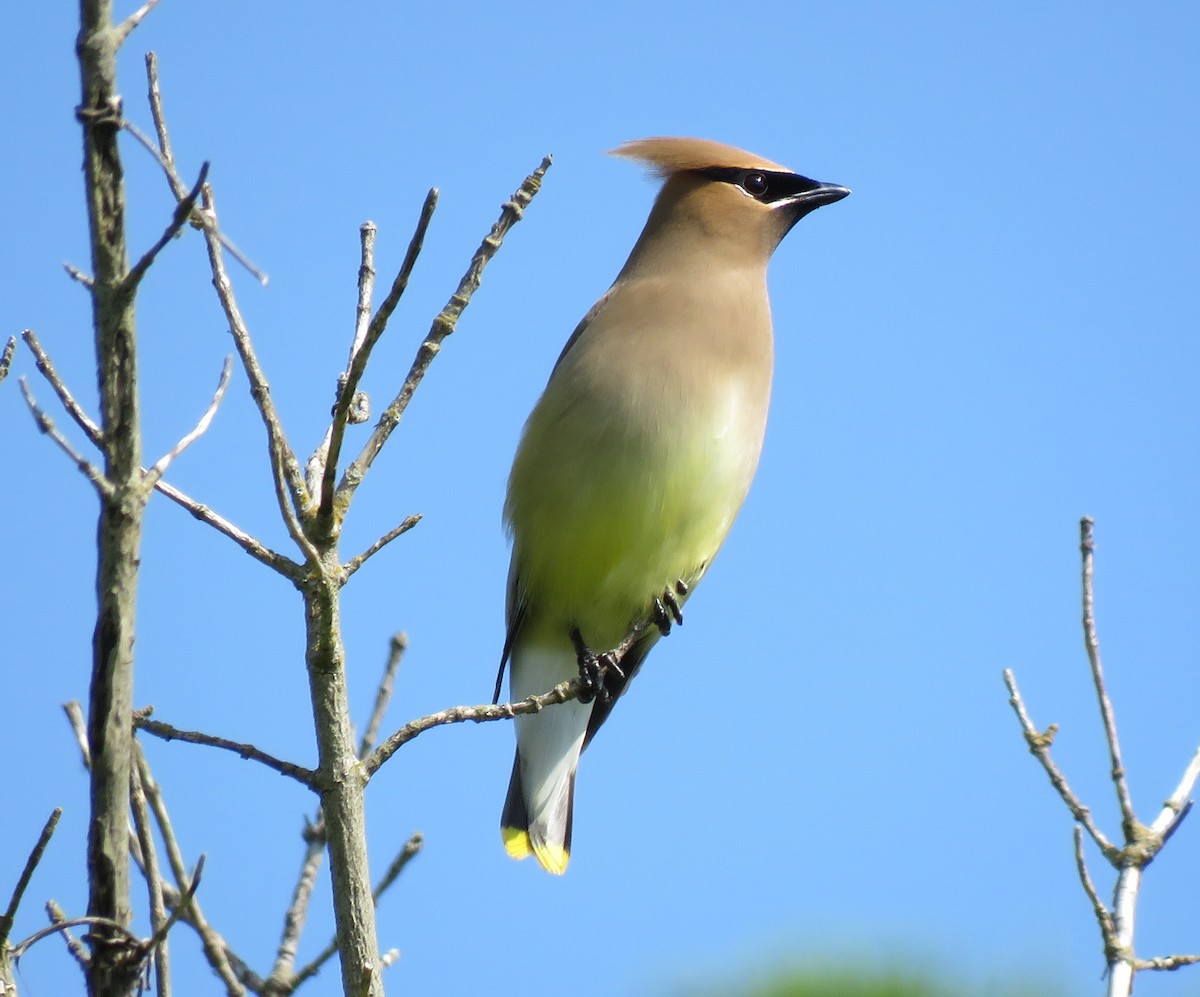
[[666, 608], [592, 669]]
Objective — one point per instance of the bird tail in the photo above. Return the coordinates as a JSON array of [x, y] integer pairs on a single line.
[[538, 812], [548, 836]]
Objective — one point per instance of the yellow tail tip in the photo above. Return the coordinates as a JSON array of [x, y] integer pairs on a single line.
[[517, 843]]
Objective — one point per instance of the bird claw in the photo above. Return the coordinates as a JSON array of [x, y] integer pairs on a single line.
[[593, 668], [666, 608]]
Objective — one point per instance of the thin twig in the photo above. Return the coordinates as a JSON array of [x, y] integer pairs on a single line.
[[31, 863], [74, 945], [561, 693], [406, 854], [1039, 747], [166, 159], [361, 352], [294, 918], [251, 545], [47, 369], [154, 884], [23, 946], [154, 99], [1087, 548], [291, 493], [46, 425], [1103, 917], [183, 211], [306, 777], [1177, 805], [359, 560], [383, 695], [6, 357], [443, 326], [156, 472], [182, 898], [76, 274], [160, 935], [123, 29]]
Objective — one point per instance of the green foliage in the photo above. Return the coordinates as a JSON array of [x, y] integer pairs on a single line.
[[867, 982]]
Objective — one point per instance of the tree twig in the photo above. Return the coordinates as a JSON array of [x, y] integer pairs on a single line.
[[154, 885], [291, 493], [512, 212], [6, 357], [46, 425], [1039, 746], [306, 777], [1087, 548], [356, 562], [47, 369], [364, 343], [183, 211], [31, 863], [251, 545], [74, 945], [383, 695], [182, 897], [156, 472]]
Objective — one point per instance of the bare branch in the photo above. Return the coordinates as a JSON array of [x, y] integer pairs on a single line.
[[127, 936], [361, 352], [162, 153], [1103, 917], [160, 935], [78, 275], [182, 898], [561, 693], [282, 976], [46, 425], [1087, 548], [183, 211], [291, 493], [306, 777], [154, 98], [154, 884], [251, 545], [442, 327], [157, 471], [31, 863], [133, 20], [6, 357], [47, 369], [74, 945], [398, 645], [359, 560], [1166, 962], [1177, 805], [1039, 747], [407, 853]]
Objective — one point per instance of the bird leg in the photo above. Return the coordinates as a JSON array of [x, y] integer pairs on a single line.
[[592, 669]]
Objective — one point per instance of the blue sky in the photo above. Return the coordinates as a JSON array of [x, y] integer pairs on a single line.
[[995, 335]]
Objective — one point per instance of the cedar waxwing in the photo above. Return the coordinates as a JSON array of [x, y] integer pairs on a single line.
[[639, 453]]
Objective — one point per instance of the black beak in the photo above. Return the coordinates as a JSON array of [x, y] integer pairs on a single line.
[[817, 195]]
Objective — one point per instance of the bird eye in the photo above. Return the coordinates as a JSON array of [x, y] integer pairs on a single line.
[[754, 184]]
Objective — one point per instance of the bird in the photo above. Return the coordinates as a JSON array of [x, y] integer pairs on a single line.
[[637, 457]]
